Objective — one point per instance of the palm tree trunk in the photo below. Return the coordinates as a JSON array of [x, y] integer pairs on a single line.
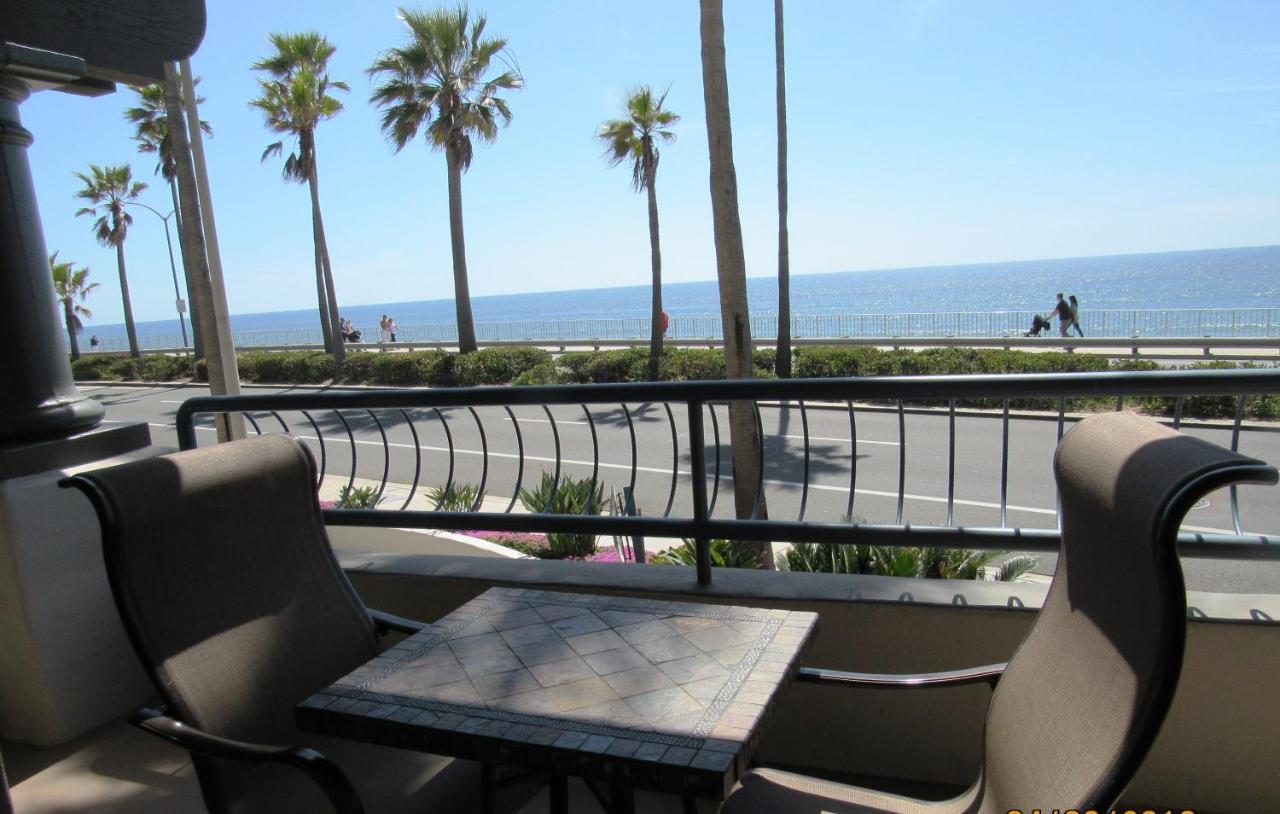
[[461, 291], [329, 297], [128, 304], [782, 364], [731, 270], [317, 242], [224, 378], [197, 344], [68, 314], [655, 252]]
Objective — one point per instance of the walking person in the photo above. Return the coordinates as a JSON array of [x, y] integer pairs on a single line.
[[392, 328], [384, 329], [1062, 309], [1075, 315]]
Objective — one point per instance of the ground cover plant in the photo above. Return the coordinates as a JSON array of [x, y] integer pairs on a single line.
[[534, 366]]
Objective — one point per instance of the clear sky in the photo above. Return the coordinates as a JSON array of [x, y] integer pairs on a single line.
[[922, 132]]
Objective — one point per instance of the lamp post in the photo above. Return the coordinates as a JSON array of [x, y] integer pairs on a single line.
[[177, 293]]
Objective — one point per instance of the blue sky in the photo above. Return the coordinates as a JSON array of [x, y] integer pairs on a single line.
[[922, 132]]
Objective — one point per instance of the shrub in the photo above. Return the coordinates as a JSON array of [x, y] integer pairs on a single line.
[[724, 554], [570, 496], [496, 365], [163, 368], [457, 497], [692, 364], [264, 366], [929, 563], [545, 373], [357, 368], [358, 497], [571, 366], [765, 360], [614, 366], [97, 368]]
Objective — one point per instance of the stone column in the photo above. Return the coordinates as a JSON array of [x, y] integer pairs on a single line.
[[38, 398]]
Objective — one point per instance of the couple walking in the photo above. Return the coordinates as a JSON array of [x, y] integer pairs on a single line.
[[1068, 313], [388, 329]]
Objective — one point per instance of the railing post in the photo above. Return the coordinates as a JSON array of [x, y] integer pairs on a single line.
[[698, 477], [629, 510]]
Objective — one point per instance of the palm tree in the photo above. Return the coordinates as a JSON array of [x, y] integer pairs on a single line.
[[295, 98], [636, 138], [151, 122], [151, 131], [731, 266], [439, 81], [782, 362], [72, 287], [108, 189]]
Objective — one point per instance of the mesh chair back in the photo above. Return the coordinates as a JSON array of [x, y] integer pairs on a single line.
[[1085, 694], [226, 583]]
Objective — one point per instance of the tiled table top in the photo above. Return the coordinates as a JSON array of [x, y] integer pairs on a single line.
[[662, 695]]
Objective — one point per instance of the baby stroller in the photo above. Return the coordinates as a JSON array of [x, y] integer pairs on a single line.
[[1038, 324]]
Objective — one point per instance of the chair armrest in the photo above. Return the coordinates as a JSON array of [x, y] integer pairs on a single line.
[[384, 622], [986, 674], [324, 772]]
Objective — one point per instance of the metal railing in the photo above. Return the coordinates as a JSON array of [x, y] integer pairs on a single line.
[[1108, 323], [647, 408]]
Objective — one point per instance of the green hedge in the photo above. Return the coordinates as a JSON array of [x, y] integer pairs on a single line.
[[533, 366]]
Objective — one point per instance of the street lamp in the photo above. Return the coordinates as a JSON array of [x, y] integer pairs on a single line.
[[178, 302]]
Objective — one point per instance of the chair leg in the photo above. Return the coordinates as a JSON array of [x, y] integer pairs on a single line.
[[488, 787], [559, 793], [621, 798]]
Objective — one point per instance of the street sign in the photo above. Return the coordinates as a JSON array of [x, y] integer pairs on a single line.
[[181, 305]]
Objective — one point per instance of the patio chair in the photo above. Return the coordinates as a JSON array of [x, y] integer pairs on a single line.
[[229, 591], [1076, 709]]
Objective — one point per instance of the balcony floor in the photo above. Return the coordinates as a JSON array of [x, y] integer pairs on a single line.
[[117, 769]]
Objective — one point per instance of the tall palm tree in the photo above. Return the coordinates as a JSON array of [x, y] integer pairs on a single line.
[[72, 287], [636, 138], [108, 189], [151, 122], [782, 362], [439, 80], [295, 98], [151, 132], [731, 266]]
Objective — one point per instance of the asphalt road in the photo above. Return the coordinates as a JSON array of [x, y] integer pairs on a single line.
[[923, 446]]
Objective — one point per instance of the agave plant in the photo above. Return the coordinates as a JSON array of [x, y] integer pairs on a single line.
[[724, 554], [456, 497], [894, 561], [569, 495], [358, 497]]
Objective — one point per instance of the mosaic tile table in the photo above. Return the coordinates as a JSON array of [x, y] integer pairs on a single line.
[[643, 693]]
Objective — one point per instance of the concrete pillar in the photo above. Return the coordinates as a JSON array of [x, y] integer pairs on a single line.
[[37, 395]]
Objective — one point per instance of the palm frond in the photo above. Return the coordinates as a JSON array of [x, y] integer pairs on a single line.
[[436, 82]]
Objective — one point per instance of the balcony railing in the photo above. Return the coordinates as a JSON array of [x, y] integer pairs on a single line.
[[365, 433]]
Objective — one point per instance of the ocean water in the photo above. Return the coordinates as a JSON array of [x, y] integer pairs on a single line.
[[1212, 278]]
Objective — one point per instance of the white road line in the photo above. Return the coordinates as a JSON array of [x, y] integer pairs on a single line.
[[820, 487], [543, 421], [841, 440], [171, 401]]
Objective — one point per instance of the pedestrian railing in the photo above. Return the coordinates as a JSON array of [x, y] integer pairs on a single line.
[[1111, 323], [671, 434]]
